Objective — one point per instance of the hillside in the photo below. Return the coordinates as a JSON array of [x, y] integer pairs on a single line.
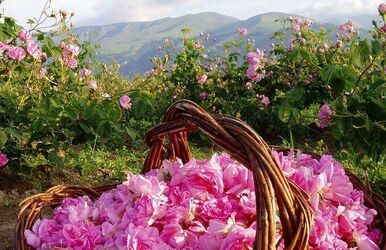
[[132, 44]]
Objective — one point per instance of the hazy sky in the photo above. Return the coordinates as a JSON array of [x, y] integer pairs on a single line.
[[112, 11]]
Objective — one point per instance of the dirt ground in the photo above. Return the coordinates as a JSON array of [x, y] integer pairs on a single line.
[[7, 225], [12, 191], [8, 210]]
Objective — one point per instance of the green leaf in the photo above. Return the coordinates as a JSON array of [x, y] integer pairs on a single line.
[[85, 128], [295, 95], [131, 133], [340, 78], [3, 139], [377, 47], [376, 109], [284, 113], [306, 55], [14, 132], [361, 53]]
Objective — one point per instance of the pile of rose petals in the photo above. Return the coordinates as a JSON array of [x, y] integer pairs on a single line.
[[207, 204]]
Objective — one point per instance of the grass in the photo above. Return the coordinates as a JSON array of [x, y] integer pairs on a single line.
[[92, 167]]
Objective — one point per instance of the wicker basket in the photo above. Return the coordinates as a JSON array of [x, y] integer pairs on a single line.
[[273, 189]]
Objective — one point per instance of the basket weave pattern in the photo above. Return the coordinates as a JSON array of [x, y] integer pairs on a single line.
[[273, 190]]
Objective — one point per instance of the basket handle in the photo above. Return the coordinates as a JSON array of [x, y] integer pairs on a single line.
[[246, 146]]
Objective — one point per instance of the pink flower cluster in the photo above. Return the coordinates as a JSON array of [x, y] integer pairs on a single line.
[[298, 23], [29, 47], [255, 60], [348, 29], [341, 220], [324, 116], [205, 204], [69, 54], [19, 53]]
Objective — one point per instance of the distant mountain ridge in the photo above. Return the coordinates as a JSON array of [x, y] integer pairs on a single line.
[[132, 44]]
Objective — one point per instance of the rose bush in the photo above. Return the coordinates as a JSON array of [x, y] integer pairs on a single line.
[[54, 96], [309, 85]]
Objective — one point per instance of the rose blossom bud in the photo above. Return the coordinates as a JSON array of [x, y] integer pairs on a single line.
[[243, 31], [265, 100], [382, 9], [383, 28], [324, 116], [92, 84], [202, 79], [125, 102], [248, 85], [43, 71], [203, 95], [24, 35], [63, 13], [84, 72], [339, 44]]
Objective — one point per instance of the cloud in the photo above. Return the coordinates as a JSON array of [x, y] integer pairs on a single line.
[[340, 10], [142, 10], [93, 12]]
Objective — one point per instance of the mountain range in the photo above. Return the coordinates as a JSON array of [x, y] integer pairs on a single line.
[[132, 44]]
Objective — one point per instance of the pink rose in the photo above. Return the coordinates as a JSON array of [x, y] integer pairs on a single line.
[[365, 243], [243, 31], [3, 47], [140, 184], [382, 9], [125, 102], [255, 57], [33, 49], [92, 84], [251, 73], [239, 238], [324, 116], [248, 85], [81, 236], [16, 53], [203, 178], [174, 235], [298, 20], [383, 28], [43, 71], [307, 22], [3, 160], [145, 239], [202, 79], [146, 211], [209, 241], [84, 72], [339, 44], [72, 63], [203, 95], [265, 100], [70, 50], [24, 35]]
